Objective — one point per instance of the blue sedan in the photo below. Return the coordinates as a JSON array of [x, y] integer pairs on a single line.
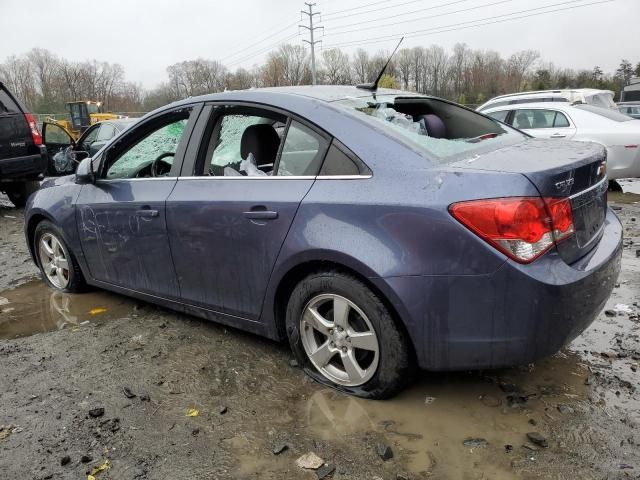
[[376, 231]]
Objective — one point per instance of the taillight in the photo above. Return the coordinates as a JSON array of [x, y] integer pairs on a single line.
[[521, 227], [33, 126]]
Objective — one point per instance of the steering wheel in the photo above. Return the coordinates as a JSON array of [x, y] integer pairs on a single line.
[[155, 172]]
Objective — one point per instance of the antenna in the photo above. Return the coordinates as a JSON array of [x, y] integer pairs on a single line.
[[373, 86]]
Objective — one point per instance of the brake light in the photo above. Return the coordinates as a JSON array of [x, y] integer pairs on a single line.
[[33, 126], [523, 228]]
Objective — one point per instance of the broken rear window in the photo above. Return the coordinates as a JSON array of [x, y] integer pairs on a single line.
[[440, 129]]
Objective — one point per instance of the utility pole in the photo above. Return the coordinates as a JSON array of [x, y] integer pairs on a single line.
[[311, 42]]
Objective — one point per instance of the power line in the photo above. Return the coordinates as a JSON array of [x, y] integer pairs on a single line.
[[264, 50], [258, 42], [356, 8], [331, 33], [420, 33], [448, 4]]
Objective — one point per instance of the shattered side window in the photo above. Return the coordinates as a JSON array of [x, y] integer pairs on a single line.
[[440, 129], [256, 157], [136, 160]]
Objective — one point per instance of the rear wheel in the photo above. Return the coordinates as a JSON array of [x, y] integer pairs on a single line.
[[58, 265], [18, 193], [345, 336]]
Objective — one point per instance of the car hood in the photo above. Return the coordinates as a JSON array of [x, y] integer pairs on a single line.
[[57, 181]]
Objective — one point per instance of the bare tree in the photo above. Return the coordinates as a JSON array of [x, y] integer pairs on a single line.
[[517, 66], [361, 66], [295, 64], [403, 63], [337, 70]]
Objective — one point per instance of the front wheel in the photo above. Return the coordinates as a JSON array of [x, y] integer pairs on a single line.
[[58, 265], [345, 336]]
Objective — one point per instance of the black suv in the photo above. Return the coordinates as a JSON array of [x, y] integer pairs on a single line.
[[23, 157]]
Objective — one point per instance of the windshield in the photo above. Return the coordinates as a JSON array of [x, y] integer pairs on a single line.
[[443, 130], [614, 115]]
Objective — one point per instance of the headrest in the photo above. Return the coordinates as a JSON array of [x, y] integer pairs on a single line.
[[434, 125], [262, 140]]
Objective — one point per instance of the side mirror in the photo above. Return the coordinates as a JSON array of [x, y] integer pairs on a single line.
[[85, 173]]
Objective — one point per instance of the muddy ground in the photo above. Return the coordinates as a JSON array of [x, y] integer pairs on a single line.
[[66, 357]]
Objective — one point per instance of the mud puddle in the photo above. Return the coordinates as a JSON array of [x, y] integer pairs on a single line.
[[34, 308], [456, 423]]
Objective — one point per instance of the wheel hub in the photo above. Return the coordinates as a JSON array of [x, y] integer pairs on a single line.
[[339, 340]]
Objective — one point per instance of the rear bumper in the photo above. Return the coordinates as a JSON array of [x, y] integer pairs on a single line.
[[514, 316], [23, 168]]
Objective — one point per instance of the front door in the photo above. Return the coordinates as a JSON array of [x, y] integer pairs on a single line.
[[122, 218], [228, 222]]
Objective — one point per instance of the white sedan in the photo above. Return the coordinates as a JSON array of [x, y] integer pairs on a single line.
[[619, 133]]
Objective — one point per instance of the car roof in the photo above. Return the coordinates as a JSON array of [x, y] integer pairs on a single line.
[[535, 105], [326, 93], [546, 92]]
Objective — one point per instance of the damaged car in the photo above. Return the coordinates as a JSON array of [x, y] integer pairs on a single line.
[[376, 230]]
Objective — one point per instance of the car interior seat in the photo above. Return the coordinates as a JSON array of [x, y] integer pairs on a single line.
[[522, 121], [262, 141], [539, 120], [434, 125]]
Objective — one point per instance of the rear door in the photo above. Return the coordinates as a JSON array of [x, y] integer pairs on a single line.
[[230, 212], [543, 123], [15, 136]]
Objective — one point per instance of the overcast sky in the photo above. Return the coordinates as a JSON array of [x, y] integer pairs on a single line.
[[145, 36]]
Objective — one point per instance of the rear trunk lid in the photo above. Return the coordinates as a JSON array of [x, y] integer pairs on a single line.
[[561, 169]]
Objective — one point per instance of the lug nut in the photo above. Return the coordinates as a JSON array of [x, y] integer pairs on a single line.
[[330, 332], [344, 349]]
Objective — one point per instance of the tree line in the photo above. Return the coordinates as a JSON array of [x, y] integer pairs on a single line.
[[45, 81]]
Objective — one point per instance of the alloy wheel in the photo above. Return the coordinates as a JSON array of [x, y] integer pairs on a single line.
[[339, 340], [54, 261]]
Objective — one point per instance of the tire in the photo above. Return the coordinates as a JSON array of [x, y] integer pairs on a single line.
[[73, 280], [19, 193], [614, 186], [382, 374]]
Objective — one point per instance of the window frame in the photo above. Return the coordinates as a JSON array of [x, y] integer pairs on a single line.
[[209, 124], [513, 113], [104, 126], [121, 143]]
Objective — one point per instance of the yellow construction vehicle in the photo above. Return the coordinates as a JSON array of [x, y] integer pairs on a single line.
[[83, 114]]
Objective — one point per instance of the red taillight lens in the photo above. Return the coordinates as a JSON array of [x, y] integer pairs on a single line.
[[35, 131], [521, 227]]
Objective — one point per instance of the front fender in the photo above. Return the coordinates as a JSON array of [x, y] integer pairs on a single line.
[[55, 202]]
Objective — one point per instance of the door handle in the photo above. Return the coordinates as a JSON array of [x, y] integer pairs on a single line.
[[261, 215], [558, 135], [147, 212]]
